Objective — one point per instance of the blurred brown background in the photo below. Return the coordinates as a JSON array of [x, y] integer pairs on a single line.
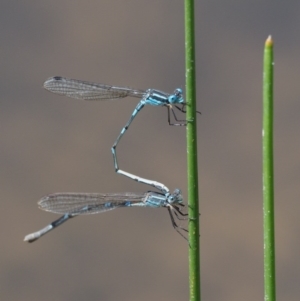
[[54, 144]]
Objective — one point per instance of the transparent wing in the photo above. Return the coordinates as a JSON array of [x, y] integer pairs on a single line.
[[88, 203], [88, 91]]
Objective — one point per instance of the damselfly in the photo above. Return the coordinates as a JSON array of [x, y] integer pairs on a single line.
[[92, 91], [73, 204]]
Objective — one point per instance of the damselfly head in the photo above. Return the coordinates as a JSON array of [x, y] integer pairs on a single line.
[[175, 197], [176, 97]]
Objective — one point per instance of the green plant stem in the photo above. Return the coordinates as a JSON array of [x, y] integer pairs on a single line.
[[268, 174], [194, 252]]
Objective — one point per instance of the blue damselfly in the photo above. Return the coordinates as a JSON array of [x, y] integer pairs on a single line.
[[92, 91], [74, 204]]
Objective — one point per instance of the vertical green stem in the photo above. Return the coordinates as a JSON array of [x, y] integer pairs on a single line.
[[268, 176], [194, 252]]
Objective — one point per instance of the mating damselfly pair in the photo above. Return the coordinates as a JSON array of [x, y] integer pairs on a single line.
[[73, 204]]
